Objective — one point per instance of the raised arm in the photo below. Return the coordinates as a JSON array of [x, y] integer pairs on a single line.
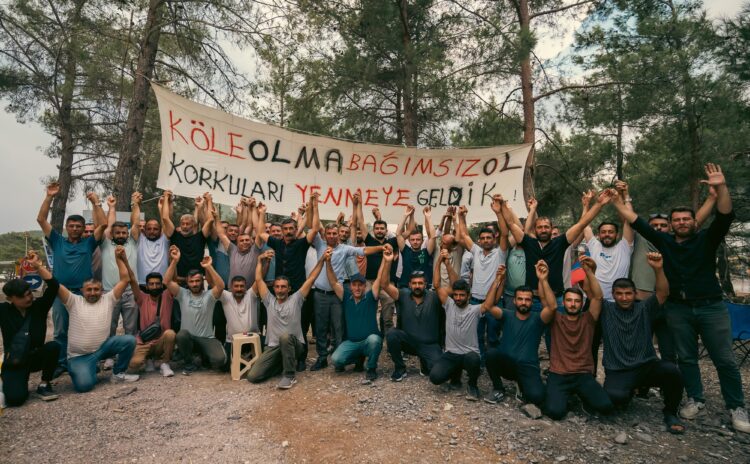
[[577, 228], [385, 266], [213, 277], [462, 233], [442, 292], [431, 238], [528, 227], [121, 258], [515, 229], [494, 293], [305, 289], [718, 182], [174, 257], [41, 218], [97, 212], [135, 215], [546, 295], [132, 278], [497, 208], [586, 198], [623, 195], [704, 212], [403, 231], [313, 218], [661, 289], [332, 279], [211, 215], [166, 211], [385, 277], [111, 216], [591, 286], [261, 286], [260, 226]]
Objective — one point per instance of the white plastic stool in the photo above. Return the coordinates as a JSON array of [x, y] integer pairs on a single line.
[[241, 365]]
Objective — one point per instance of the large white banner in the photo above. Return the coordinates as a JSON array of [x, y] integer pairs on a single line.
[[207, 150]]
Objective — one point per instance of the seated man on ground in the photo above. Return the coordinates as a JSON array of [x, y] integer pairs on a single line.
[[630, 361], [363, 338], [517, 356], [197, 307], [23, 321], [240, 306], [571, 362], [284, 327], [461, 321], [157, 343], [88, 333]]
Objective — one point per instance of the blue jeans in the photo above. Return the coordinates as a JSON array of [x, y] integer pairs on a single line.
[[60, 333], [349, 352], [711, 322], [82, 369]]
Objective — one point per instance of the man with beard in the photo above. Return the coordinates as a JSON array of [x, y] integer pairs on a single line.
[[486, 258], [153, 245], [153, 301], [189, 240], [289, 257], [461, 338], [612, 257], [284, 336], [695, 305], [517, 356], [88, 339], [96, 257], [630, 361], [197, 306], [117, 234], [417, 256], [418, 325], [240, 306], [24, 317], [571, 364], [243, 256], [72, 258], [447, 241]]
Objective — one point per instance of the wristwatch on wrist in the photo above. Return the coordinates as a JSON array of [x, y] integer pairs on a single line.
[[629, 199]]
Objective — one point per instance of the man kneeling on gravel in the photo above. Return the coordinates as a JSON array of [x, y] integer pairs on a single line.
[[284, 342], [363, 338], [88, 332], [197, 309], [630, 361], [462, 320]]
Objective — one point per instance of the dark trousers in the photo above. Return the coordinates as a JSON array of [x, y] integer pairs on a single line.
[[328, 321], [561, 386], [220, 322], [307, 321], [620, 385], [401, 342], [596, 342], [488, 329], [278, 359], [664, 339], [16, 379], [210, 349], [450, 365], [500, 365]]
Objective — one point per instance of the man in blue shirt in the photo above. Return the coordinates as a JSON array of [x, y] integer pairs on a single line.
[[72, 257]]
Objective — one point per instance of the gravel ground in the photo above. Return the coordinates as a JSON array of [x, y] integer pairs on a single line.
[[328, 417]]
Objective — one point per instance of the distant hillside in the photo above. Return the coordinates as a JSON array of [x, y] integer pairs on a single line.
[[13, 244]]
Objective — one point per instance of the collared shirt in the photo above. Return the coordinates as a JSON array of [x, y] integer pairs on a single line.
[[690, 265], [484, 269], [290, 260], [72, 261], [220, 259], [338, 261], [421, 321], [361, 318]]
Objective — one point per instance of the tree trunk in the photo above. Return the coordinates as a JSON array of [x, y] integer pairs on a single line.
[[399, 121], [410, 112], [527, 97], [127, 165], [67, 142]]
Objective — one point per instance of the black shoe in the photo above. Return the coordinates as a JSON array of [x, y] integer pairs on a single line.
[[45, 392], [360, 365], [494, 397], [472, 393], [60, 370], [188, 369], [321, 363], [454, 385], [371, 375], [398, 375], [339, 369], [301, 366]]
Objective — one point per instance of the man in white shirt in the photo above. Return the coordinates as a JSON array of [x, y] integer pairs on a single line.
[[88, 331], [240, 307]]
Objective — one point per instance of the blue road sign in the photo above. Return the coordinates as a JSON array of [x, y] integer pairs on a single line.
[[34, 280]]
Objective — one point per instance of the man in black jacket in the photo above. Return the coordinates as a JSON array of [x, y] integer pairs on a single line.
[[26, 352]]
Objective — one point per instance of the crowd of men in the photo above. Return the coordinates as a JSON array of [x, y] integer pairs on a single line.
[[184, 291]]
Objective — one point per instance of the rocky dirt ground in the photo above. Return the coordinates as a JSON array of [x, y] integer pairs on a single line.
[[329, 417]]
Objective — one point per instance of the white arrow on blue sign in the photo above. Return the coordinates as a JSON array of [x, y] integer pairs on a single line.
[[34, 281]]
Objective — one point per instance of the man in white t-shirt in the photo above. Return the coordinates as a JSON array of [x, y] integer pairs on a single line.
[[240, 307], [153, 245], [88, 331]]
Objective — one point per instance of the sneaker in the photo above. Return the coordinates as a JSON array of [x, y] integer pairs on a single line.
[[150, 366], [472, 393], [494, 397], [301, 366], [398, 375], [359, 366], [124, 377], [45, 392], [423, 371], [321, 363], [166, 371], [454, 385], [740, 421], [286, 383], [188, 369], [338, 368], [372, 374], [692, 408], [109, 363]]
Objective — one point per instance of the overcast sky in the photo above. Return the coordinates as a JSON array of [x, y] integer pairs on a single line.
[[23, 164]]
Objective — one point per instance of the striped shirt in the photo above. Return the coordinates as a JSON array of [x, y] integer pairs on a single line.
[[627, 334], [89, 323]]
